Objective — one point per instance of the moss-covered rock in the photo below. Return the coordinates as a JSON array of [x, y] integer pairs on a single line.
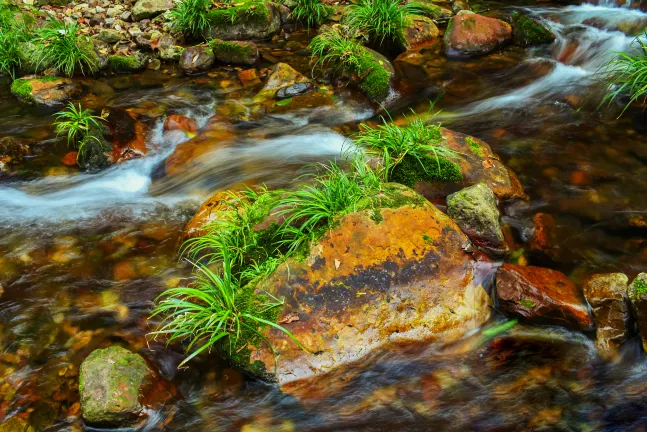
[[244, 21], [637, 293], [431, 10], [475, 211], [527, 32], [144, 9], [375, 74], [235, 52], [132, 63], [171, 53], [392, 271], [197, 59], [47, 91], [16, 424], [110, 36], [418, 31], [110, 383]]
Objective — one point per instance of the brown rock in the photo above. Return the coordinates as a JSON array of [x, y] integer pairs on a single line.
[[419, 31], [180, 122], [249, 77], [382, 276], [197, 59], [216, 207], [478, 164], [283, 76], [544, 234], [607, 295], [47, 91], [469, 34], [126, 133], [186, 156], [69, 159], [542, 295]]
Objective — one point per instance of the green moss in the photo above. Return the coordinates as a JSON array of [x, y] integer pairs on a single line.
[[474, 146], [640, 286], [429, 10], [528, 32], [448, 30], [377, 83], [129, 63], [223, 48], [22, 88], [411, 171], [249, 12]]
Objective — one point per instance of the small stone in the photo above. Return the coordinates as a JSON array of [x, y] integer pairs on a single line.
[[112, 12], [126, 16], [282, 75], [100, 9], [110, 36], [607, 295], [146, 9], [248, 77], [110, 383], [110, 21], [474, 209], [197, 59]]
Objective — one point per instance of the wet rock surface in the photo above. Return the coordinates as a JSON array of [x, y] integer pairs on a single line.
[[110, 383], [419, 31], [528, 32], [542, 295], [244, 23], [45, 91], [197, 59], [346, 300], [235, 52], [607, 295], [284, 78], [475, 211], [637, 293], [469, 35]]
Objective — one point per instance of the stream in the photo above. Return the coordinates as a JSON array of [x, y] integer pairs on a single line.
[[82, 256]]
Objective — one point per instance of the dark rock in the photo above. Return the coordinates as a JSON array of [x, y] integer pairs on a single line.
[[470, 35], [12, 152], [527, 32], [542, 295], [247, 21], [474, 209], [637, 293], [607, 295], [197, 59]]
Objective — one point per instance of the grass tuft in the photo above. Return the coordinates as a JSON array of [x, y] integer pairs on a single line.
[[83, 130], [13, 33], [58, 45], [312, 13], [190, 17], [382, 21]]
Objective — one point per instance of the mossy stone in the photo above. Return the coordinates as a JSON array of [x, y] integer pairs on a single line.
[[637, 293], [377, 72], [235, 52], [427, 169], [110, 383], [127, 64], [247, 20], [48, 90], [527, 32]]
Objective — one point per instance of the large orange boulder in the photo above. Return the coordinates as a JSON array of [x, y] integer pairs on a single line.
[[396, 272], [469, 35], [543, 296], [478, 164]]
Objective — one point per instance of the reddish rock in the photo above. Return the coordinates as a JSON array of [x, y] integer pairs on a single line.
[[126, 133], [469, 34], [69, 159], [542, 295], [478, 164], [544, 235], [212, 209], [249, 77], [180, 122], [607, 295], [420, 31]]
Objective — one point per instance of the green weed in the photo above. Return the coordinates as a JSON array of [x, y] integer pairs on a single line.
[[217, 311], [12, 34], [626, 74], [190, 17], [58, 45], [312, 13], [380, 20], [83, 129]]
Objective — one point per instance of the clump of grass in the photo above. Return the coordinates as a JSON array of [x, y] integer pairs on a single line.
[[333, 49], [402, 148], [216, 311], [382, 21], [83, 129], [312, 13], [626, 74], [58, 45], [12, 34], [190, 17]]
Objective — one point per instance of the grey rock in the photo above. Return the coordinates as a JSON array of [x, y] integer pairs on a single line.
[[197, 59]]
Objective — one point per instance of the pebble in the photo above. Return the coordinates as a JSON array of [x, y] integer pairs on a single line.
[[126, 16], [110, 21], [100, 9], [113, 12]]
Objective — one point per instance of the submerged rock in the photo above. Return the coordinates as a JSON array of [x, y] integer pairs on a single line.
[[470, 35], [111, 381], [16, 424], [527, 32], [394, 272], [197, 59], [637, 293], [235, 52], [12, 152], [542, 295], [144, 9], [180, 122], [474, 209], [477, 164], [126, 133], [246, 20], [47, 91], [287, 80], [419, 31], [607, 295]]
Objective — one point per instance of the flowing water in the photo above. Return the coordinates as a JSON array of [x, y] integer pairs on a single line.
[[83, 255]]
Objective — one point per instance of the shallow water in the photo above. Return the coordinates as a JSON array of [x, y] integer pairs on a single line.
[[82, 255]]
